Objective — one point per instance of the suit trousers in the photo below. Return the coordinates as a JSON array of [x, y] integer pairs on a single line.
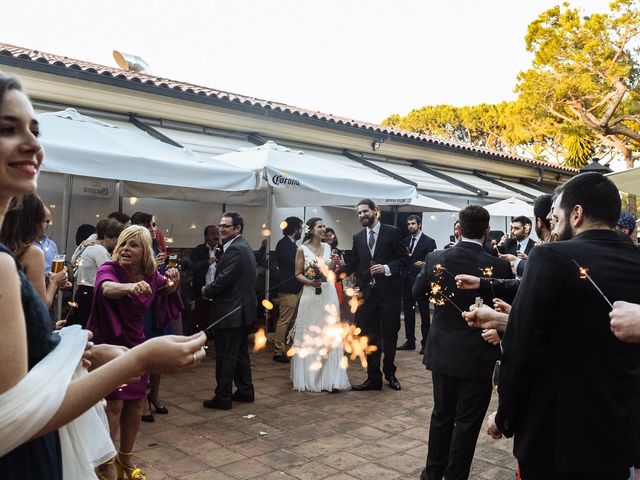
[[459, 407], [380, 321], [409, 309], [288, 308], [233, 364], [528, 472]]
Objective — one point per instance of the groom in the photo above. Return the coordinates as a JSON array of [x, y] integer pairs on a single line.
[[378, 256]]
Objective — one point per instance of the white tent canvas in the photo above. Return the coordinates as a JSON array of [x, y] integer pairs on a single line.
[[627, 181], [76, 144], [423, 203], [299, 179], [511, 207]]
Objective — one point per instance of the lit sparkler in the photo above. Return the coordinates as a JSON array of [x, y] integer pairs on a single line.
[[72, 305], [488, 273], [438, 297], [438, 268], [583, 274], [259, 340], [267, 304]]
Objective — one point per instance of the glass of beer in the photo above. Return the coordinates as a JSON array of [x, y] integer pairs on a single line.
[[57, 264], [173, 260]]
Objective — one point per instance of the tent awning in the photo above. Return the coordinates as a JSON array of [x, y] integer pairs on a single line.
[[627, 181], [511, 207], [80, 145]]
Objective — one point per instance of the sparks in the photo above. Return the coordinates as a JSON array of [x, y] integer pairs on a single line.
[[259, 340], [583, 274], [438, 297]]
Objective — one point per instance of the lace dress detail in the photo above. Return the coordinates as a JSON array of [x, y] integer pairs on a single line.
[[310, 371]]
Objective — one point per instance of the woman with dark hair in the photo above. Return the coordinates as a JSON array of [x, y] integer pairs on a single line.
[[316, 368], [331, 239], [38, 403], [23, 224], [152, 326], [83, 232]]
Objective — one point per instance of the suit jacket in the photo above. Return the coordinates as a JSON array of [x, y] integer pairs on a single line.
[[390, 251], [453, 348], [234, 287], [511, 247], [568, 387], [424, 246], [200, 261], [286, 258]]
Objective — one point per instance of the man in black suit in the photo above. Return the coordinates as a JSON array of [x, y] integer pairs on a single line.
[[460, 359], [419, 246], [377, 258], [232, 314], [519, 244], [290, 289], [202, 259], [568, 387]]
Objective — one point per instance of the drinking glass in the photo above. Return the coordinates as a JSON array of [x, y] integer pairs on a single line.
[[173, 260], [372, 282], [57, 264]]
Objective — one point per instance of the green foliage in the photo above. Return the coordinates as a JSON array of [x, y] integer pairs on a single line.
[[579, 98]]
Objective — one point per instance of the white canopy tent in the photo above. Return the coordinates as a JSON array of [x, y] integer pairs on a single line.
[[299, 179], [627, 181], [76, 144], [511, 207], [422, 203]]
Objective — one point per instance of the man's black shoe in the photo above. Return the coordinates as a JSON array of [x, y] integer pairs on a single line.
[[367, 385], [216, 404], [394, 383], [281, 358], [421, 350], [407, 346], [242, 397]]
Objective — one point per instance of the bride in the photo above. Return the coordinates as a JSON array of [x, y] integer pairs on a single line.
[[317, 364]]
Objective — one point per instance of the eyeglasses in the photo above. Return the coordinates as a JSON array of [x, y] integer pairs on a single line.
[[225, 225]]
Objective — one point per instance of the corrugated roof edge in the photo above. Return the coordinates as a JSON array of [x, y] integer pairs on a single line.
[[97, 72]]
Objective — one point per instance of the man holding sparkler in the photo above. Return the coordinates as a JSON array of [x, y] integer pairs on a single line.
[[460, 360], [378, 256], [568, 387]]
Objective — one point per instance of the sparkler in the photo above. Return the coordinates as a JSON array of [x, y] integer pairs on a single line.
[[488, 273], [438, 268], [317, 342], [72, 305], [583, 274], [438, 297], [259, 340]]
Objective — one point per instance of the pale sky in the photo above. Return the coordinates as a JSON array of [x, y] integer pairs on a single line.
[[363, 59]]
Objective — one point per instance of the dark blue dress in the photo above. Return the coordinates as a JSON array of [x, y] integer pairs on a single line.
[[41, 457]]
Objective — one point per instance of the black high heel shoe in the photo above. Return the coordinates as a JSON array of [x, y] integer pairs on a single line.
[[158, 408]]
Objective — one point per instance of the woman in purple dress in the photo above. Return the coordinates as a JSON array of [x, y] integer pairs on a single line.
[[126, 287]]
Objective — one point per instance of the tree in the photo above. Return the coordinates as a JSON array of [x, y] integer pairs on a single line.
[[584, 79]]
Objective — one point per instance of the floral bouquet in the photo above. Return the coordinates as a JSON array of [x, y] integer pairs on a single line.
[[312, 272]]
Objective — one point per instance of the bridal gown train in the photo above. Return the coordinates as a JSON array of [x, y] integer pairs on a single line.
[[314, 372]]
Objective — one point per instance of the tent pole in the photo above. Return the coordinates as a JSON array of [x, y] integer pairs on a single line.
[[120, 197], [267, 272], [66, 210], [395, 215]]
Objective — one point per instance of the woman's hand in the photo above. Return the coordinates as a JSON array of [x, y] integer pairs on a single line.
[[98, 355], [171, 353], [160, 258], [139, 288], [316, 283], [59, 279], [172, 274]]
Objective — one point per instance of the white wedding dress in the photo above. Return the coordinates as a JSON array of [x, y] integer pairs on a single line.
[[316, 365]]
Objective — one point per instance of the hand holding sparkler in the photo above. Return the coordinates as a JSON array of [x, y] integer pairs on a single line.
[[467, 282], [625, 321], [486, 318]]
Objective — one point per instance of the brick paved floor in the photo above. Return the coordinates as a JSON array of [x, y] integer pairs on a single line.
[[301, 436]]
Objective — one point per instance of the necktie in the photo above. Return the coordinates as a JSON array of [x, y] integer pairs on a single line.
[[519, 248], [372, 239], [413, 243]]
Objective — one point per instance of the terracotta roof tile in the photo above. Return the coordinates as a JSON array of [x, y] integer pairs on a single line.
[[159, 82]]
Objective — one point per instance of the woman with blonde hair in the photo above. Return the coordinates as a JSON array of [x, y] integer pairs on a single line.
[[125, 288]]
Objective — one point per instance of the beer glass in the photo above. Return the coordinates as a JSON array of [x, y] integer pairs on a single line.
[[57, 264]]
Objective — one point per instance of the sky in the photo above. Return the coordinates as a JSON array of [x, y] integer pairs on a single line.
[[361, 59]]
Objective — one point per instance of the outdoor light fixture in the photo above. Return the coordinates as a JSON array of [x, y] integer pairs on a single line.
[[375, 145], [131, 63]]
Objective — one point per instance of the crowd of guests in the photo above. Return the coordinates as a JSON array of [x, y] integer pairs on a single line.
[[555, 324]]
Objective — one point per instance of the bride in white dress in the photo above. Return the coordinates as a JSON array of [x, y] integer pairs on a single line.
[[318, 363]]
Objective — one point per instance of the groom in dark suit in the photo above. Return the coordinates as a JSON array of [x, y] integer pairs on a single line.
[[377, 258], [232, 295], [568, 387], [419, 245], [460, 359]]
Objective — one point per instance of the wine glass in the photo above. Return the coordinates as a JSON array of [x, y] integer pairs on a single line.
[[495, 378], [335, 258], [372, 282]]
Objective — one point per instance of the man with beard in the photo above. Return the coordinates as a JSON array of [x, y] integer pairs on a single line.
[[419, 246], [377, 258], [519, 244], [568, 387]]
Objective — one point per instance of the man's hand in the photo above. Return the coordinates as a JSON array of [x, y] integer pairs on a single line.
[[508, 257], [484, 317], [467, 282], [625, 321], [492, 428], [491, 336], [521, 255], [501, 306], [377, 269], [419, 264]]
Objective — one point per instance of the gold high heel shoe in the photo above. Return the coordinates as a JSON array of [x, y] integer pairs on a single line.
[[99, 473], [128, 473]]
